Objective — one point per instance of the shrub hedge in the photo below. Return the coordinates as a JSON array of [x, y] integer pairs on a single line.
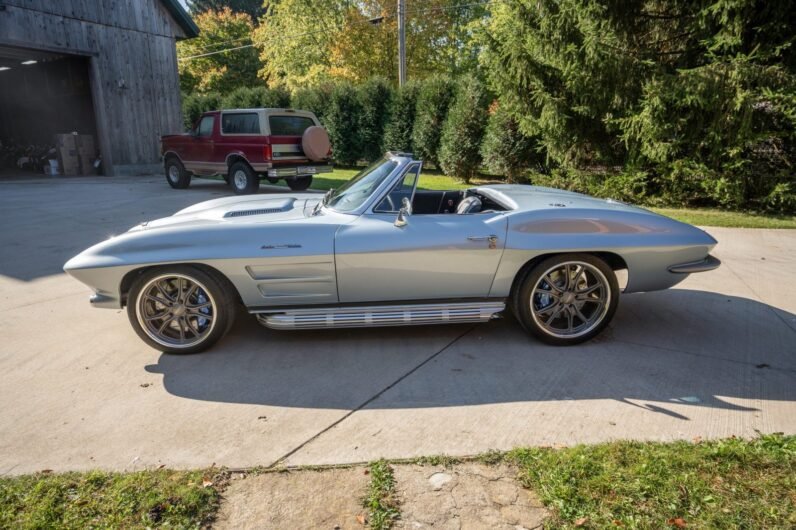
[[448, 124]]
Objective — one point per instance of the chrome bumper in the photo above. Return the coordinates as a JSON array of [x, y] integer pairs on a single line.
[[282, 172], [707, 264], [104, 301]]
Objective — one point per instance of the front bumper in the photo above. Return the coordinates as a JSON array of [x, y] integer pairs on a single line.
[[287, 172], [707, 264]]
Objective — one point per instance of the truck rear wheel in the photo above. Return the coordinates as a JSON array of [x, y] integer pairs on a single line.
[[243, 179], [176, 174], [299, 183]]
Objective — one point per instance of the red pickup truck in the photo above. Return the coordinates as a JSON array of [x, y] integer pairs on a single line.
[[247, 145]]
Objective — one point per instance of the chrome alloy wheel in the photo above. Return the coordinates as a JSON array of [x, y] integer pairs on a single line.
[[240, 179], [174, 173], [570, 299], [176, 310]]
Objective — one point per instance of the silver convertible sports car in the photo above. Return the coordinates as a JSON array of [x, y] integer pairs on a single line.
[[379, 252]]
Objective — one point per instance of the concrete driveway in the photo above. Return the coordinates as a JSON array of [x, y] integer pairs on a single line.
[[714, 357]]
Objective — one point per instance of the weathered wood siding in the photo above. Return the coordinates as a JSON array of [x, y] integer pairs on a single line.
[[133, 66]]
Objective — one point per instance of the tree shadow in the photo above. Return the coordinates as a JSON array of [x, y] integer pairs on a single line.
[[641, 358]]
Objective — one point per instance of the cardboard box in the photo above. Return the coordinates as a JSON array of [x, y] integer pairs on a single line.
[[85, 145], [69, 161], [65, 141]]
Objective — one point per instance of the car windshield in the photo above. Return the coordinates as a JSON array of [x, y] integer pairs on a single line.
[[356, 191]]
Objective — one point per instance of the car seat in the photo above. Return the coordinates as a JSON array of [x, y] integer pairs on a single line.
[[469, 205]]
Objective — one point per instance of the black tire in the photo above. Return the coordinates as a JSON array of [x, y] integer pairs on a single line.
[[299, 183], [176, 175], [242, 179], [598, 310], [211, 291]]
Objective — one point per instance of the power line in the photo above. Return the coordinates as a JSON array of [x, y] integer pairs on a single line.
[[388, 15]]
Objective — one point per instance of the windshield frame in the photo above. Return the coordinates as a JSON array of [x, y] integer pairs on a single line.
[[386, 184]]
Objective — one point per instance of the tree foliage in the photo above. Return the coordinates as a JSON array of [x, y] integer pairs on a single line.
[[505, 149], [342, 121], [700, 94], [375, 97], [194, 105], [354, 40], [463, 130], [398, 131], [254, 8], [258, 97], [314, 99], [433, 99], [223, 71]]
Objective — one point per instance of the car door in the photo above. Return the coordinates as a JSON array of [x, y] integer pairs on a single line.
[[433, 256], [200, 150]]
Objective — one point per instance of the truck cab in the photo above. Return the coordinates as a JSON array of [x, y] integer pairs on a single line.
[[246, 146]]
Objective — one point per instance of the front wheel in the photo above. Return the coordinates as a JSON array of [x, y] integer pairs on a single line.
[[299, 183], [567, 299], [176, 174], [181, 309]]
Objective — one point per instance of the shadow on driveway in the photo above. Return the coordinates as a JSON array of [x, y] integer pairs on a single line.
[[655, 350]]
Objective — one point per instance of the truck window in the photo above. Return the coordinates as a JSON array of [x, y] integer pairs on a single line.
[[205, 126], [289, 125], [240, 123]]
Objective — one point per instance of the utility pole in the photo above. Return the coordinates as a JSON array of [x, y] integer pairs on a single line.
[[401, 43]]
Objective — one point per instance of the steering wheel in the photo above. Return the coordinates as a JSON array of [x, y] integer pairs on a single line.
[[392, 204]]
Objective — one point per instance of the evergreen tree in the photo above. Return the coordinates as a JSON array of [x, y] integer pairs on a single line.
[[699, 94], [433, 100], [398, 132], [505, 149], [342, 122], [463, 130], [375, 97]]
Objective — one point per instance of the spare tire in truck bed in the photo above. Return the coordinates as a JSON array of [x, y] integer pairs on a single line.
[[315, 143]]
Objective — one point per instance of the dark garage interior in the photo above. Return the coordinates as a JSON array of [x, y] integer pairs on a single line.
[[41, 94]]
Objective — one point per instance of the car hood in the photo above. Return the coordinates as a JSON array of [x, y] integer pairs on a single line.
[[524, 197], [236, 210]]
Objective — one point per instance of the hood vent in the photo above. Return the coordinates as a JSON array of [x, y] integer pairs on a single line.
[[286, 205]]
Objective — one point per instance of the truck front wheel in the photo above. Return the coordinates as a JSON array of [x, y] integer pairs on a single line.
[[176, 174], [243, 179], [299, 183]]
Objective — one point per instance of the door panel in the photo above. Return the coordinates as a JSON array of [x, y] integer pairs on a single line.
[[432, 257]]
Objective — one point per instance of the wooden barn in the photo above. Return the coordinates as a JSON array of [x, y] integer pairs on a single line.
[[105, 68]]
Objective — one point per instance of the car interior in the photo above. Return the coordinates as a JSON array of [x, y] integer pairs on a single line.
[[445, 201]]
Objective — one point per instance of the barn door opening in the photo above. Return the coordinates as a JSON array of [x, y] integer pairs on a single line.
[[45, 95]]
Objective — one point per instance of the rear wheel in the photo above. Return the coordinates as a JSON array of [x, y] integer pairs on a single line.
[[299, 183], [176, 174], [243, 179], [181, 309], [567, 299]]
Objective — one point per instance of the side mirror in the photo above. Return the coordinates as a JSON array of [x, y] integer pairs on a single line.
[[403, 213]]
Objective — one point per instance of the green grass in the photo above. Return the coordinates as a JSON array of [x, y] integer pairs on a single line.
[[380, 500], [728, 483], [709, 217], [109, 500]]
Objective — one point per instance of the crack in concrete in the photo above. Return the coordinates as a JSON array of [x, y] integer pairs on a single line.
[[366, 402]]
